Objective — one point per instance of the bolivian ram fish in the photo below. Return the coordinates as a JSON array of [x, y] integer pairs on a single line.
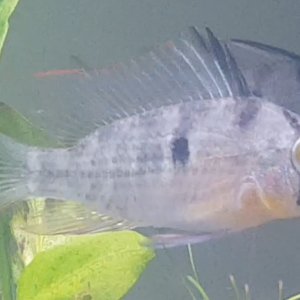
[[176, 139]]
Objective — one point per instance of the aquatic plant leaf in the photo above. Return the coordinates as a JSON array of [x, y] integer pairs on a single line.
[[198, 286], [102, 266], [7, 247], [296, 297], [6, 9], [14, 125], [6, 240]]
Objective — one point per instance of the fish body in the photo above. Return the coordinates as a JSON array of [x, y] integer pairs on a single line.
[[186, 146], [172, 167]]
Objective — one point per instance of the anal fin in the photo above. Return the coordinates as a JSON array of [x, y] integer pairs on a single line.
[[52, 217]]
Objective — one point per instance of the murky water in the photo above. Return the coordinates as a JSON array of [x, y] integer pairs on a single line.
[[69, 34]]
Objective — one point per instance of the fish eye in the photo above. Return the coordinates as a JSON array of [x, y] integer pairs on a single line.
[[296, 155]]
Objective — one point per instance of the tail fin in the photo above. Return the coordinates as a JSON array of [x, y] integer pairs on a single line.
[[13, 171]]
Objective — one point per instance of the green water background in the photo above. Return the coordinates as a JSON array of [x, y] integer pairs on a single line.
[[49, 34]]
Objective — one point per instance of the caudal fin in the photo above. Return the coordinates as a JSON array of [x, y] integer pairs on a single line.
[[13, 172]]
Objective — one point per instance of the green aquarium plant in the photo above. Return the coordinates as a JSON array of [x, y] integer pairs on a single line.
[[7, 7], [193, 283], [6, 242], [101, 266]]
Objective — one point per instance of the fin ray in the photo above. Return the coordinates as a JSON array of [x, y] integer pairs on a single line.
[[270, 72], [12, 171], [174, 240], [54, 217], [267, 48], [190, 68]]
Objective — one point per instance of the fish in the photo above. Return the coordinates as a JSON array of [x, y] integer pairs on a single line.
[[176, 140]]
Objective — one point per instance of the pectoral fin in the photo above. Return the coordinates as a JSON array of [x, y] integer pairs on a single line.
[[175, 240]]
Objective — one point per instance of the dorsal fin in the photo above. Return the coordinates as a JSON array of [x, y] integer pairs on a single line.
[[191, 68], [271, 50], [230, 66], [270, 72]]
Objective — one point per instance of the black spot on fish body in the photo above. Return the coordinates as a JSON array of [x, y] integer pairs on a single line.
[[180, 150], [291, 119], [248, 113]]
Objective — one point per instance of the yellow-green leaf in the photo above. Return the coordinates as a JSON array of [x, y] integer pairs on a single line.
[[16, 126], [6, 9], [102, 266]]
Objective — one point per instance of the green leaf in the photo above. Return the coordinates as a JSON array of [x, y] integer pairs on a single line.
[[14, 125], [102, 266], [6, 244], [296, 297], [6, 9]]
